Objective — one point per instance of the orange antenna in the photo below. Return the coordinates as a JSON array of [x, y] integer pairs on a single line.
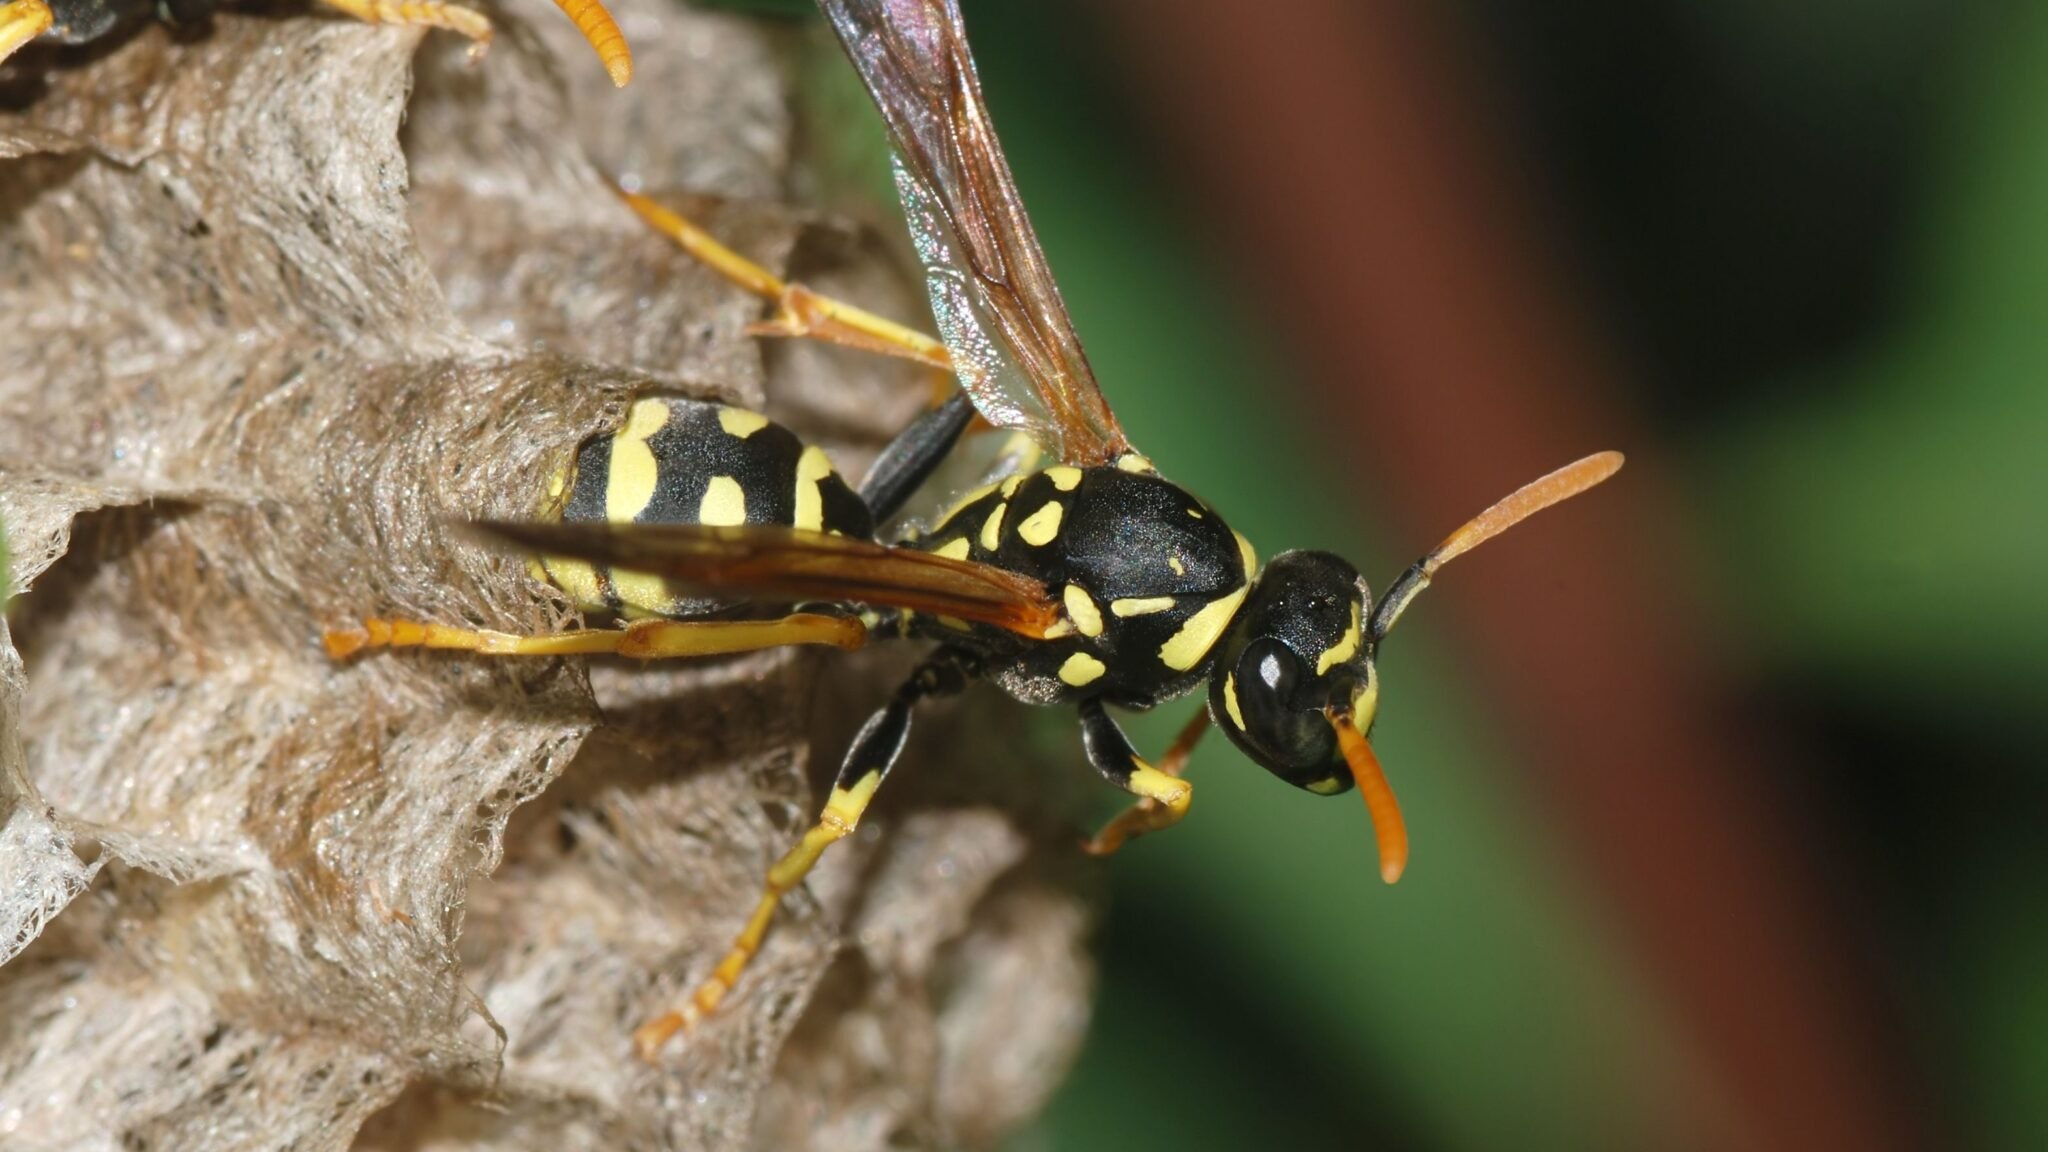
[[1516, 507], [1388, 828]]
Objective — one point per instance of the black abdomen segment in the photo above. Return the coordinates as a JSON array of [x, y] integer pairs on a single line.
[[678, 461]]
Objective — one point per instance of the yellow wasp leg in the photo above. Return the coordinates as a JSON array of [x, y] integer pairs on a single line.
[[800, 312], [1163, 796], [841, 814], [643, 639], [873, 753], [22, 21]]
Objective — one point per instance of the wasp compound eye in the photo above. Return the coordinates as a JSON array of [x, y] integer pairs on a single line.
[[1269, 702]]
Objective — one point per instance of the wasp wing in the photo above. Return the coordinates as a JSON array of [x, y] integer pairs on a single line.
[[773, 564], [999, 312]]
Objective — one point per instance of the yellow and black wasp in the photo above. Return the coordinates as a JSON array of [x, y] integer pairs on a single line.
[[85, 21], [1093, 582]]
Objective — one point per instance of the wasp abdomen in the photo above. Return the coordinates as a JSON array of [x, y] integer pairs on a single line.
[[678, 461]]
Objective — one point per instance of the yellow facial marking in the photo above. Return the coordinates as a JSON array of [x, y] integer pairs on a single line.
[[630, 483], [992, 528], [1082, 610], [1365, 706], [1041, 526], [1082, 669], [1132, 462], [1251, 558], [954, 549], [1327, 787], [1141, 606], [1343, 649], [1065, 477], [724, 503], [1187, 647], [1230, 700], [811, 467], [1179, 569], [740, 423]]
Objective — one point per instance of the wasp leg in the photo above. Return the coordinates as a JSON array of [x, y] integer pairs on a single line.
[[1163, 797], [423, 13], [799, 312], [22, 21], [642, 639], [915, 453], [875, 750]]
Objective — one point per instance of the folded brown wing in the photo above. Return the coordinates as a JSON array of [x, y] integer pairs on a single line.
[[1000, 313], [772, 564]]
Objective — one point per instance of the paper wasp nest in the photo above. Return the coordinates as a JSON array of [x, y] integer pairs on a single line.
[[275, 308]]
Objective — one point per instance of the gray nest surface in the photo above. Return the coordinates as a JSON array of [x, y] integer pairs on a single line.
[[280, 302]]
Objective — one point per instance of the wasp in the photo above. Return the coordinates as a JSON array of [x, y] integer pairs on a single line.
[[1089, 581], [84, 21]]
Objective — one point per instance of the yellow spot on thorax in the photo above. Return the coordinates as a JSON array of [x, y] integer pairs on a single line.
[[1081, 609], [1065, 477], [954, 549], [739, 423], [1343, 649], [1082, 669], [1132, 462], [724, 503], [1140, 605], [992, 528], [1010, 486], [812, 467], [1185, 648], [1179, 569], [1041, 526]]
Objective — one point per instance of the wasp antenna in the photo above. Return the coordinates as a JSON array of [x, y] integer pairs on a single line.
[[1509, 511], [1388, 828]]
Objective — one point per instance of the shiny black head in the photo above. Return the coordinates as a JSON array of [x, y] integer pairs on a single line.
[[1296, 653]]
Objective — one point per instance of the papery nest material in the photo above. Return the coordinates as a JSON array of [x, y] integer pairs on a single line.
[[258, 354]]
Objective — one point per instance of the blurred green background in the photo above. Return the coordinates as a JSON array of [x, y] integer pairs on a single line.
[[1812, 241]]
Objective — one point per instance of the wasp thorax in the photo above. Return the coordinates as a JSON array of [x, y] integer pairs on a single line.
[[1296, 649]]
